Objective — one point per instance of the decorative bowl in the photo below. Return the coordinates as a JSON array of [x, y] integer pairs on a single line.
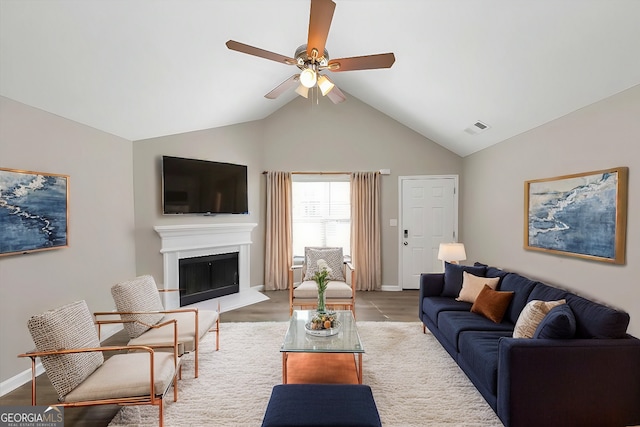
[[323, 332]]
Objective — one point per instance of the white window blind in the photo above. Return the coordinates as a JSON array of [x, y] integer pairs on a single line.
[[321, 212]]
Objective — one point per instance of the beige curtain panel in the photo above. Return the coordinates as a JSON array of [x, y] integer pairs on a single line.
[[365, 230], [279, 240]]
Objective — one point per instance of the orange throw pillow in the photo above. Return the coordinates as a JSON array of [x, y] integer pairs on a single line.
[[492, 304]]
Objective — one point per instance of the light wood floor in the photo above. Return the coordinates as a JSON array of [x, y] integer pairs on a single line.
[[370, 306]]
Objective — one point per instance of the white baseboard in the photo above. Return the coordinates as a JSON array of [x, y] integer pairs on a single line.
[[24, 377], [393, 288], [16, 381]]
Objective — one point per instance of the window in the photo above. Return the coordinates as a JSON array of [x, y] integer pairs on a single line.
[[321, 212]]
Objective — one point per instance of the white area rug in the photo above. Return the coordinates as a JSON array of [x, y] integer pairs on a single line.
[[414, 381]]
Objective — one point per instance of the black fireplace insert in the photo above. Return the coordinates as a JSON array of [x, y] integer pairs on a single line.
[[206, 277]]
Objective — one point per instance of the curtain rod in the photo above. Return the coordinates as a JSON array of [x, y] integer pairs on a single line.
[[317, 173]]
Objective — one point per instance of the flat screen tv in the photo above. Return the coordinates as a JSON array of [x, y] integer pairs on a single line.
[[191, 186]]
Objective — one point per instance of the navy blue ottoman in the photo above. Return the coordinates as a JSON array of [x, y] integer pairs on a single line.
[[321, 405]]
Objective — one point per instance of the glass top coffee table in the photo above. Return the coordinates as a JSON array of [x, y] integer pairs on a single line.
[[344, 340]]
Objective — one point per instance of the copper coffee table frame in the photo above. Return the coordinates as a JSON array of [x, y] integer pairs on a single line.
[[347, 340]]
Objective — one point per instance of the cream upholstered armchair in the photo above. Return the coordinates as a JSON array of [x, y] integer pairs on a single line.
[[139, 306], [340, 293], [67, 343]]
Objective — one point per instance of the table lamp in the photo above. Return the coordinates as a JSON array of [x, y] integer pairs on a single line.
[[451, 253]]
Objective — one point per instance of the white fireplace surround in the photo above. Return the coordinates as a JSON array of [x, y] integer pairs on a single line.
[[194, 240]]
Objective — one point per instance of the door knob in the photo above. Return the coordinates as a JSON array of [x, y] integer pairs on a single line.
[[405, 243]]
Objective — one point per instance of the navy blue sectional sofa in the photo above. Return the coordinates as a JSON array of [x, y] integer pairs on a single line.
[[589, 379]]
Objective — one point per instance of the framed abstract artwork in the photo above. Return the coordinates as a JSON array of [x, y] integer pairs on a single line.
[[33, 211], [582, 215]]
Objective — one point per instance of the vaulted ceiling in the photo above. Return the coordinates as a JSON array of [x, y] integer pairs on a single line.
[[146, 68]]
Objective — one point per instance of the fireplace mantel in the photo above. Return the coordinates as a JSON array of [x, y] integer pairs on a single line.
[[194, 240]]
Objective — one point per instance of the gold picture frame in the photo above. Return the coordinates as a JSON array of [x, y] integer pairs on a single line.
[[582, 215], [34, 211]]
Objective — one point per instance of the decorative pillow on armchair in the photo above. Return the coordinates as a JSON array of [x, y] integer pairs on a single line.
[[333, 258], [70, 326], [139, 294]]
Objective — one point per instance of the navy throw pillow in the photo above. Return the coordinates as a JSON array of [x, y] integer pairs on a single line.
[[559, 323], [453, 277]]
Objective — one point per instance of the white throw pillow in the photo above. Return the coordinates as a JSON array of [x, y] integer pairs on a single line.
[[531, 316], [472, 285], [332, 256]]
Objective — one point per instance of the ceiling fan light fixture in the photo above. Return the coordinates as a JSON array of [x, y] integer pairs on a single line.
[[312, 58], [302, 90], [308, 78], [325, 85]]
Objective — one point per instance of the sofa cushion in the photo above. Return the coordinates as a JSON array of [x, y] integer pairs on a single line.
[[559, 323], [595, 320], [491, 271], [332, 256], [141, 295], [309, 289], [68, 327], [496, 272], [452, 323], [126, 375], [186, 330], [544, 292], [472, 285], [433, 306], [453, 277], [532, 315], [522, 288], [492, 304], [479, 351]]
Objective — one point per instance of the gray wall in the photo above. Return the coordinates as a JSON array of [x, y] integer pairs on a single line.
[[301, 136], [352, 136], [600, 136], [101, 223], [239, 144]]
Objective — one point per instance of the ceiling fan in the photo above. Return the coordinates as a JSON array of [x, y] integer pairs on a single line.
[[312, 58]]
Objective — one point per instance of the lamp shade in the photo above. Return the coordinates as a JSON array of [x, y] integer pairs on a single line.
[[452, 252], [308, 78], [302, 91], [325, 85]]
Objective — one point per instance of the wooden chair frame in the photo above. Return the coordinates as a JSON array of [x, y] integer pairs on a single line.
[[309, 303], [196, 343]]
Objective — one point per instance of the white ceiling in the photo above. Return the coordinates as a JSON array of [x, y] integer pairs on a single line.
[[146, 68]]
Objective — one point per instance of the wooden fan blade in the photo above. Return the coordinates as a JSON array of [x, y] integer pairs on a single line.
[[336, 96], [319, 24], [245, 48], [282, 87], [383, 60]]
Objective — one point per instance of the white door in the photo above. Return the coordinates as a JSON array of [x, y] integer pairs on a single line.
[[429, 216]]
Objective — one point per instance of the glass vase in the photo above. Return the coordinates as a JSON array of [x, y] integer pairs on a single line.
[[321, 302]]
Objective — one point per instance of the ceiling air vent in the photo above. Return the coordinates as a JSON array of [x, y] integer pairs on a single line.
[[476, 128]]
